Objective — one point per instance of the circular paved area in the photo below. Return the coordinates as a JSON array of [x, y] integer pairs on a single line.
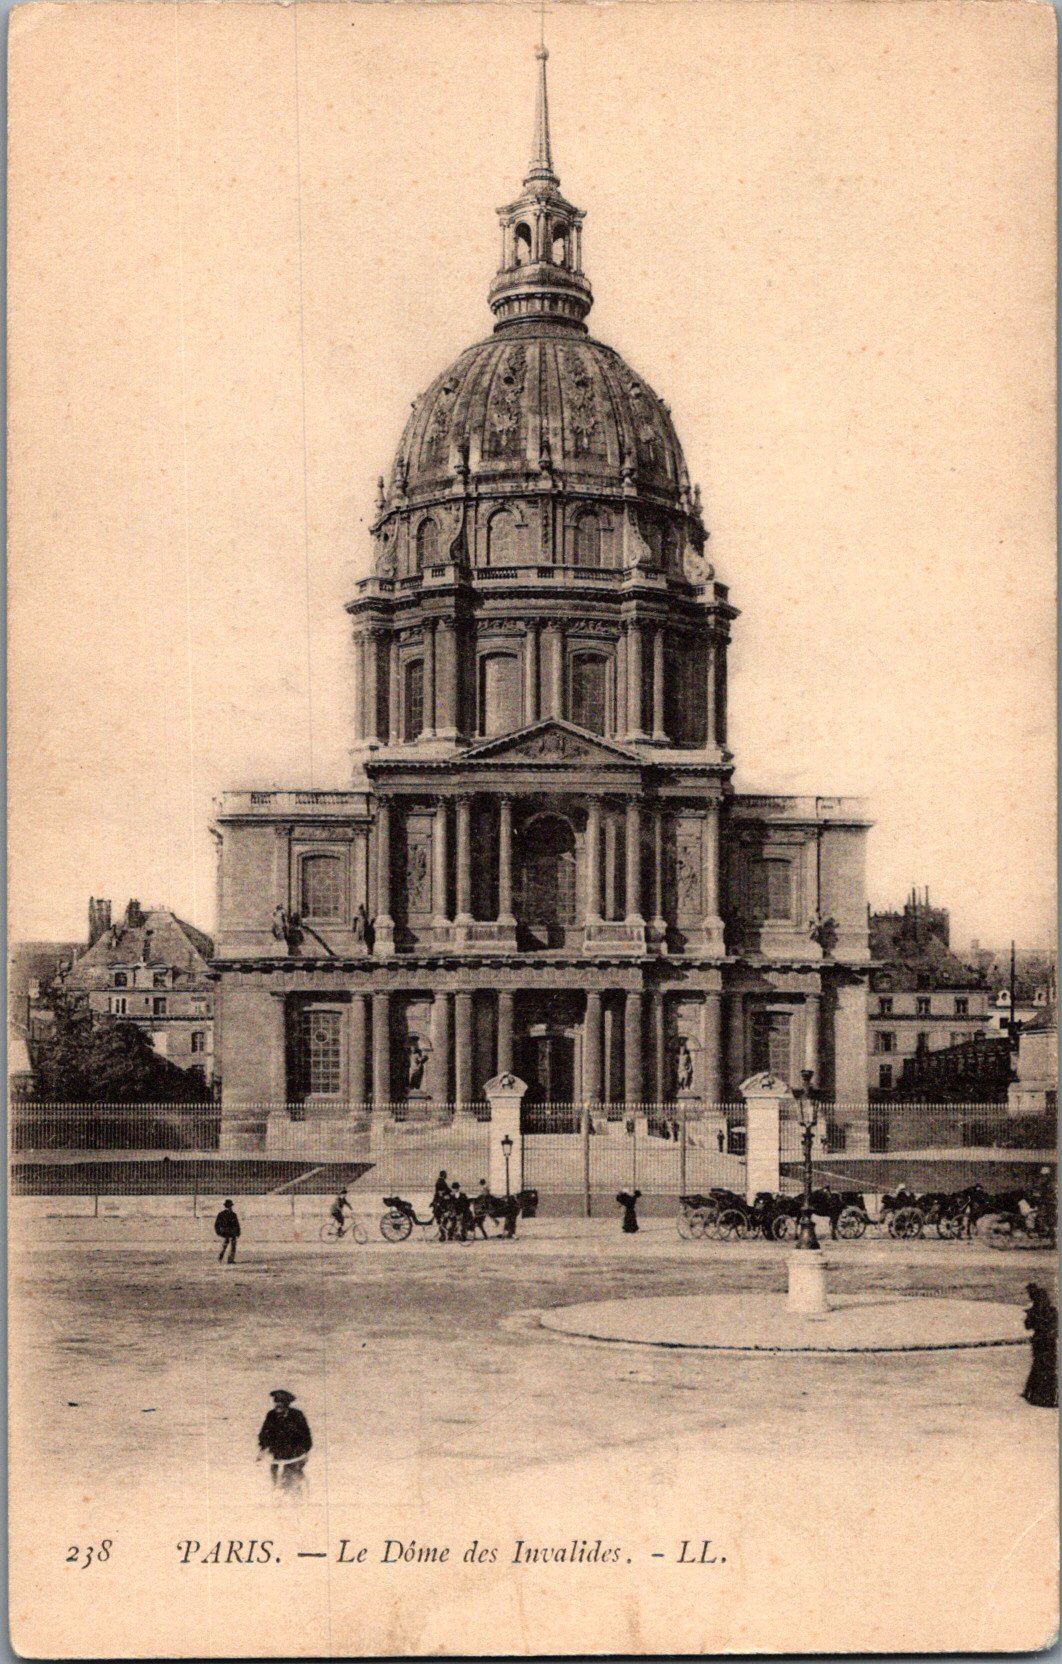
[[761, 1323]]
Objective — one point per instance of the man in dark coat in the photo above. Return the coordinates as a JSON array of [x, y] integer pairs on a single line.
[[1041, 1388], [285, 1436], [227, 1227]]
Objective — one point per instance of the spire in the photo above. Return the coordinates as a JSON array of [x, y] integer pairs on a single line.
[[541, 272], [541, 154]]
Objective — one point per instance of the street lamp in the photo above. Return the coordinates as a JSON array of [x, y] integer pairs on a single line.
[[808, 1111], [507, 1150]]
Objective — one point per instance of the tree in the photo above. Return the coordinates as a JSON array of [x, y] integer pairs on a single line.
[[91, 1060]]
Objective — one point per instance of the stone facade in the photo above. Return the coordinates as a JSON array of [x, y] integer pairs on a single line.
[[541, 865]]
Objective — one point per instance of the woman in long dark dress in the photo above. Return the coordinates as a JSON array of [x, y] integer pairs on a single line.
[[1041, 1318], [628, 1201]]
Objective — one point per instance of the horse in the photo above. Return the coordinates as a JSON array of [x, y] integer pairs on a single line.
[[976, 1202], [504, 1209]]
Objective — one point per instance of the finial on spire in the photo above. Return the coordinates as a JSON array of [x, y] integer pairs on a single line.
[[541, 153]]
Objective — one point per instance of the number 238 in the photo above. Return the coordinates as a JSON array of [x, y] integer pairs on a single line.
[[83, 1557]]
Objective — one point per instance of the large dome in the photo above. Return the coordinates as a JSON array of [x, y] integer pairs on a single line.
[[540, 395]]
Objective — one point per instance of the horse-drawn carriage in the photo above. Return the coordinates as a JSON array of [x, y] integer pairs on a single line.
[[444, 1223], [723, 1215]]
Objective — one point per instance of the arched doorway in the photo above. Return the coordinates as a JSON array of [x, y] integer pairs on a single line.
[[545, 890]]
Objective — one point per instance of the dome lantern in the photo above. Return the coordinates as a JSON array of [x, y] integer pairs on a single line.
[[541, 273]]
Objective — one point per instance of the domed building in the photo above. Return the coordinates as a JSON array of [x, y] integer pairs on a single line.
[[541, 865]]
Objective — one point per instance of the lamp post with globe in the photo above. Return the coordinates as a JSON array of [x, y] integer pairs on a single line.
[[808, 1111], [507, 1150]]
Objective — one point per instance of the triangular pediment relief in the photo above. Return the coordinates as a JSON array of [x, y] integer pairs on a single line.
[[550, 741]]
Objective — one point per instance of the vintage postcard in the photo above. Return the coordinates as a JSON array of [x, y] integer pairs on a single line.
[[532, 1021]]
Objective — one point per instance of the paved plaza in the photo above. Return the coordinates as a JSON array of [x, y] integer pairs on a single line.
[[426, 1373]]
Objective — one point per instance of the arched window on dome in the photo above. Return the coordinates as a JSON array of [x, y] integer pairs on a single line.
[[503, 539], [500, 707], [427, 543], [522, 245], [588, 691], [588, 540], [559, 245]]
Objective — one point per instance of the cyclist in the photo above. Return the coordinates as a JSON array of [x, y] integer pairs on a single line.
[[338, 1206]]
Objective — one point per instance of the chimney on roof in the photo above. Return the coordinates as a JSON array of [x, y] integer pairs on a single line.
[[135, 915], [99, 919]]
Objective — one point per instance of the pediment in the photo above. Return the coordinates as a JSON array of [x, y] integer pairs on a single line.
[[550, 741]]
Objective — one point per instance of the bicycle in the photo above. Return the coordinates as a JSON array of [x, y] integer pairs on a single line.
[[333, 1232]]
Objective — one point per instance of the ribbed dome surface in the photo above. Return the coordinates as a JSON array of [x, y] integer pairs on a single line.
[[537, 395]]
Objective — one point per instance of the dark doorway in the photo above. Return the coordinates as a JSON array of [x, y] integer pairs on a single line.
[[547, 1063], [546, 881]]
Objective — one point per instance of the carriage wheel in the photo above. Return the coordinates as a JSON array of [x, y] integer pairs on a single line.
[[395, 1227], [698, 1223], [732, 1226], [684, 1224], [906, 1224], [783, 1225], [949, 1226], [851, 1224], [329, 1232]]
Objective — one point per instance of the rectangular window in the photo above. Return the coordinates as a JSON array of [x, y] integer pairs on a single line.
[[922, 1041], [414, 704], [198, 1040], [885, 1006], [199, 1008], [962, 1006], [885, 1077], [771, 1043], [118, 1005], [771, 890], [121, 980], [158, 1006], [158, 979], [321, 1047], [884, 1040], [588, 691], [322, 887], [922, 1006]]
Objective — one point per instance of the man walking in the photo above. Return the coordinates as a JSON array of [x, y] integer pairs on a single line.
[[227, 1227], [285, 1437]]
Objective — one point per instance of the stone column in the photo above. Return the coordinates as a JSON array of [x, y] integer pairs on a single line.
[[442, 1045], [383, 924], [712, 923], [381, 1051], [709, 694], [530, 674], [394, 693], [633, 1083], [735, 1041], [464, 860], [812, 1009], [659, 923], [634, 679], [634, 862], [505, 1031], [610, 867], [592, 1049], [720, 694], [428, 725], [593, 861], [446, 679], [505, 864], [658, 684], [372, 687], [463, 1049], [850, 1064], [439, 863], [659, 1023], [621, 683], [713, 1048], [357, 1035], [554, 638], [359, 687]]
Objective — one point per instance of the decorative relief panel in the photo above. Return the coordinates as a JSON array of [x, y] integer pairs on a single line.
[[689, 880], [418, 867], [506, 398]]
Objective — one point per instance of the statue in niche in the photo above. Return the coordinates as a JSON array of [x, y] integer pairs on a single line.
[[417, 878], [416, 1063], [287, 928], [684, 1065], [687, 881], [360, 926]]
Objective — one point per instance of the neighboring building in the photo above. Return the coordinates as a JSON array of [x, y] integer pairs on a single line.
[[33, 968], [1034, 1091], [151, 969], [541, 864], [922, 998]]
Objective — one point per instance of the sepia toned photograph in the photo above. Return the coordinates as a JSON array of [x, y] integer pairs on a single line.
[[532, 962]]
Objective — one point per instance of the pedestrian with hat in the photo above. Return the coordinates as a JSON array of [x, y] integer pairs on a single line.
[[285, 1437], [227, 1227]]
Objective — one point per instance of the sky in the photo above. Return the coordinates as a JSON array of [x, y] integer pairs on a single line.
[[244, 237]]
